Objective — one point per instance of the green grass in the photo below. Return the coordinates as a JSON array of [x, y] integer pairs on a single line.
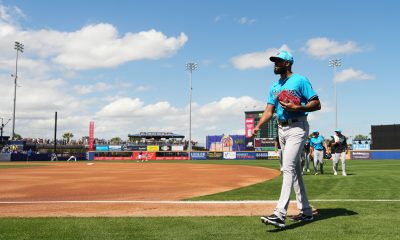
[[365, 180], [337, 220]]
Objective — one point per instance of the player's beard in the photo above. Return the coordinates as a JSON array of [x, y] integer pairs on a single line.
[[280, 70]]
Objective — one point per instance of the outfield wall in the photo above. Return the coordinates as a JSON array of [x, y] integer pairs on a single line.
[[180, 155], [195, 155], [232, 155], [375, 154]]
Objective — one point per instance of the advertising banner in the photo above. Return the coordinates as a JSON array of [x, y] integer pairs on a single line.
[[214, 155], [198, 155], [360, 155], [165, 148], [171, 158], [145, 156], [102, 148], [177, 147], [249, 143], [216, 146], [112, 158], [361, 146], [273, 155], [91, 136], [153, 148], [264, 144], [115, 148], [261, 155], [227, 143], [249, 127], [137, 148], [229, 155], [246, 155]]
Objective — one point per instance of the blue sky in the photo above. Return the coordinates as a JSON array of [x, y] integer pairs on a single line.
[[122, 63]]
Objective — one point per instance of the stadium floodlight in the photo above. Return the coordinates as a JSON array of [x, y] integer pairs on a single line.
[[334, 63], [190, 67], [20, 48]]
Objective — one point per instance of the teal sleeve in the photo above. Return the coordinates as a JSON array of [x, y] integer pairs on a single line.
[[307, 90]]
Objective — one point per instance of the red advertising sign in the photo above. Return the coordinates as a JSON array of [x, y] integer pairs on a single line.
[[145, 155], [91, 136], [249, 127]]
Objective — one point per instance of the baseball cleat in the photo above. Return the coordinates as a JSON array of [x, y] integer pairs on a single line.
[[302, 218], [273, 220]]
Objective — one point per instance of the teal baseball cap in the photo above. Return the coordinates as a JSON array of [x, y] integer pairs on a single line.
[[282, 55], [315, 131], [338, 130]]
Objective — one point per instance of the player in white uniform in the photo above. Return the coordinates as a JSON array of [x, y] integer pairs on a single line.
[[340, 150]]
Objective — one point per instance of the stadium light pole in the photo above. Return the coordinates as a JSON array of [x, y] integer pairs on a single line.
[[334, 63], [20, 48], [190, 67]]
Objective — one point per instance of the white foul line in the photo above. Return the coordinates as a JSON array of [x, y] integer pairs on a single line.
[[193, 202]]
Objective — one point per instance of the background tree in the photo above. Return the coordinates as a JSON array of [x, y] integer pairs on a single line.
[[115, 140], [17, 136], [67, 136], [238, 141], [359, 137]]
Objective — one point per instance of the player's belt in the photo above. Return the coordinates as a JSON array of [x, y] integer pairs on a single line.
[[290, 121]]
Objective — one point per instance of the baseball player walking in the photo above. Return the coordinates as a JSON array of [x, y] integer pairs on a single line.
[[340, 149], [291, 97], [317, 144]]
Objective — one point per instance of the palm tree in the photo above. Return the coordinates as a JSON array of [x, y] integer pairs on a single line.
[[238, 141], [67, 136]]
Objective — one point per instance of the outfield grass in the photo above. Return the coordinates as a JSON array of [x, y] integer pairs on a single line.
[[340, 219]]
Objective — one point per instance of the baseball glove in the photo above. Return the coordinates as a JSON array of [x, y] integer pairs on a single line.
[[287, 96]]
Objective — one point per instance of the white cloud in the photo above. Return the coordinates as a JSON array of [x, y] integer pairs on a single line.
[[52, 56], [132, 115], [93, 46], [256, 59], [134, 108], [351, 74], [97, 87], [99, 46], [246, 21], [217, 18], [323, 48], [229, 106]]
